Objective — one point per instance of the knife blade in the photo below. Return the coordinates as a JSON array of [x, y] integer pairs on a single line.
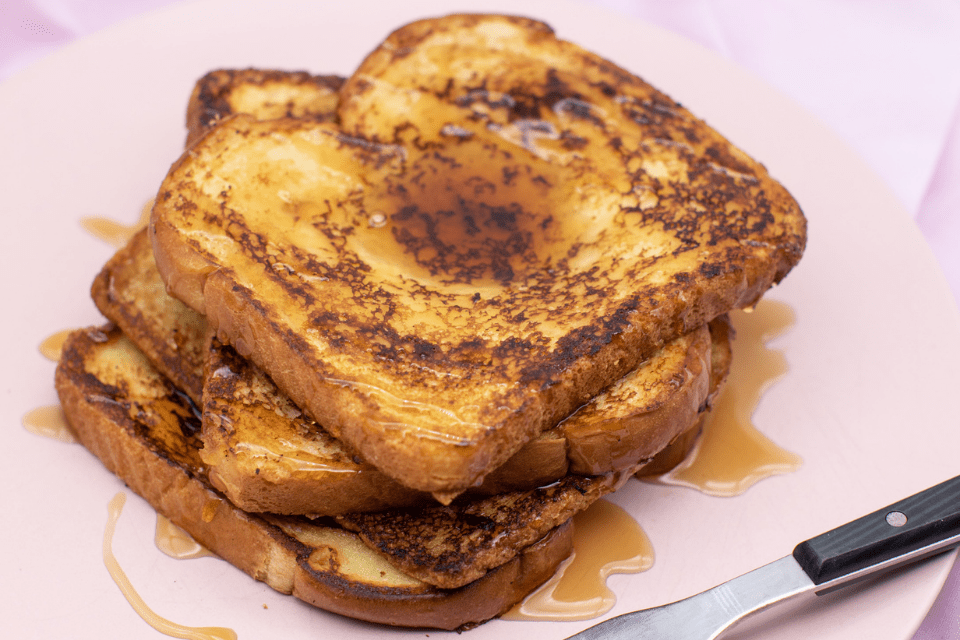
[[914, 528]]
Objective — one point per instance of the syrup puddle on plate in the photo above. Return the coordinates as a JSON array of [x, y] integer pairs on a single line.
[[164, 626], [177, 543], [606, 540], [49, 422], [731, 455], [52, 346], [113, 232]]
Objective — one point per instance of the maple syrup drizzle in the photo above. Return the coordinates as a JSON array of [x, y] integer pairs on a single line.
[[177, 543], [49, 422], [52, 346], [606, 540], [731, 455], [164, 626], [113, 232]]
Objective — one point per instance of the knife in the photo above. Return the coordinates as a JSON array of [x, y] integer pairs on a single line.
[[914, 528]]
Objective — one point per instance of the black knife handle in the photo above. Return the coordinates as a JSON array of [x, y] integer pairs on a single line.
[[905, 526]]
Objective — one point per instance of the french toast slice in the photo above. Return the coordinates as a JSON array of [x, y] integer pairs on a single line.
[[145, 430], [264, 93], [266, 455], [130, 293], [473, 252], [467, 541], [169, 332], [264, 464]]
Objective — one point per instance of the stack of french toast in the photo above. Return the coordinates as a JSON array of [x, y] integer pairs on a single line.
[[385, 335]]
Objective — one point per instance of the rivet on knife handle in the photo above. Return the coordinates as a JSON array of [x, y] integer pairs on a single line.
[[904, 526]]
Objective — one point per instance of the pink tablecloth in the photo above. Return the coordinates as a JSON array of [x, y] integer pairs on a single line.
[[885, 76]]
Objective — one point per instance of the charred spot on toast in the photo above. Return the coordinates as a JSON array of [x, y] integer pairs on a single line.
[[450, 546], [212, 100], [125, 387]]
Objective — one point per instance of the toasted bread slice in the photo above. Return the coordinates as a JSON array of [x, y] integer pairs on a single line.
[[129, 291], [126, 291], [639, 415], [145, 430], [451, 272], [266, 455], [467, 541], [264, 93], [721, 356]]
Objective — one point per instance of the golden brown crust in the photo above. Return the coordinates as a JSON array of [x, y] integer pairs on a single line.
[[545, 322], [129, 417], [477, 535], [266, 455], [674, 453], [494, 594], [144, 430], [264, 93], [129, 292], [644, 411], [721, 356]]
